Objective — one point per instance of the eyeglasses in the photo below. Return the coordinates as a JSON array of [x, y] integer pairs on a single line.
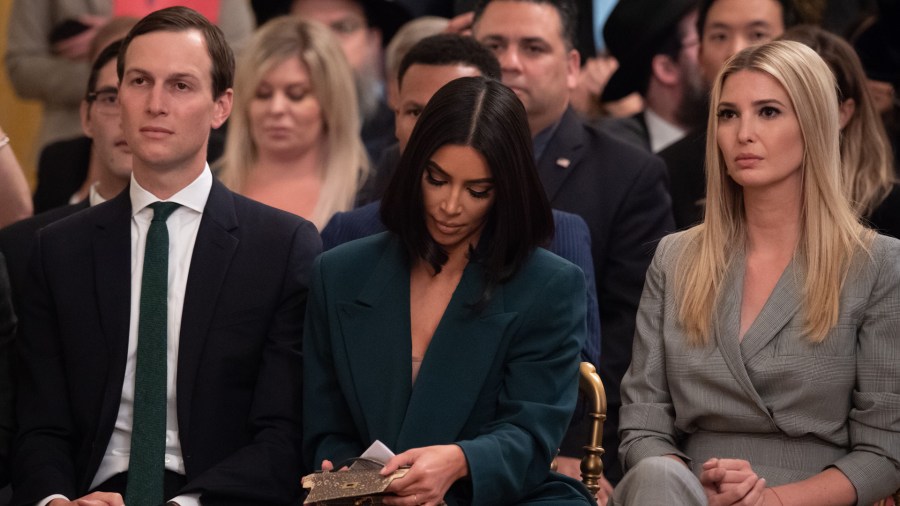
[[347, 26], [106, 100]]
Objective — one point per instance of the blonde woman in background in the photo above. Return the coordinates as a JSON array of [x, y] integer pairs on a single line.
[[764, 365], [293, 139]]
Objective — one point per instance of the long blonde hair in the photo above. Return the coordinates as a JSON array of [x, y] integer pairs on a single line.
[[346, 164], [830, 231]]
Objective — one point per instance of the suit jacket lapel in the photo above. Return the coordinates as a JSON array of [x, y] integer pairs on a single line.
[[781, 306], [213, 251], [562, 154], [112, 271], [456, 365], [376, 336]]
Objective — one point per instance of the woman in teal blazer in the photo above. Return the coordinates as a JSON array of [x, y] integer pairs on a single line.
[[452, 338]]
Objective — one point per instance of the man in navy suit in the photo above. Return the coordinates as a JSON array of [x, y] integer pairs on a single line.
[[226, 368], [618, 189]]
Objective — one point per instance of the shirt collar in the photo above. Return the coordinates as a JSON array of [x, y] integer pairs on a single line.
[[192, 196], [94, 196], [542, 139], [661, 132]]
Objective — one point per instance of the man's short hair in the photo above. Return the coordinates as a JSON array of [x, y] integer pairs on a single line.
[[108, 54], [180, 19], [789, 14], [450, 49], [568, 15]]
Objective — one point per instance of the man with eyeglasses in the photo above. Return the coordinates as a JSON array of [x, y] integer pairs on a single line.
[[109, 170], [658, 59], [108, 173]]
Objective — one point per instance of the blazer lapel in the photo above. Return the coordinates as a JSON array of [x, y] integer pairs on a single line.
[[213, 251], [728, 326], [456, 365], [781, 306], [112, 271], [562, 154], [376, 336]]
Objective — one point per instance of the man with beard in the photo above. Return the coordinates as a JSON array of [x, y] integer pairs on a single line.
[[658, 59], [724, 27]]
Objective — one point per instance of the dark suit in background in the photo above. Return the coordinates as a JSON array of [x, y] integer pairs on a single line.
[[632, 130], [686, 160], [62, 169], [7, 397], [17, 239], [620, 191], [238, 376]]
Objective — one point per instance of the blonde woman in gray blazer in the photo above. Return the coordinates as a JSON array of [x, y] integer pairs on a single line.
[[767, 352]]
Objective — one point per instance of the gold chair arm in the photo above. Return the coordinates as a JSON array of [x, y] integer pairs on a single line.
[[591, 464]]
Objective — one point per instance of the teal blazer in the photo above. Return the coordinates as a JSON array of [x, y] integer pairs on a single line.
[[501, 384]]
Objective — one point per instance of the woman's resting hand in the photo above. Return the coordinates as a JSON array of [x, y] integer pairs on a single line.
[[733, 482]]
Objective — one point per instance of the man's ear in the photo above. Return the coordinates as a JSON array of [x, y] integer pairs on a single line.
[[375, 36], [223, 106], [573, 68], [665, 70], [86, 125]]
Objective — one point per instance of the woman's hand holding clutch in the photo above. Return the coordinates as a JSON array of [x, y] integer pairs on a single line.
[[433, 469]]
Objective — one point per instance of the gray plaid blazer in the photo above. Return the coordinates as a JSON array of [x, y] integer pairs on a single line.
[[790, 407]]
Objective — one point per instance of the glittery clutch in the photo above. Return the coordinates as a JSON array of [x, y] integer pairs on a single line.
[[349, 487]]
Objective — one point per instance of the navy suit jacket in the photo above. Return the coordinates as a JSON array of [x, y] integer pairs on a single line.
[[7, 342], [239, 371], [686, 160], [571, 241], [15, 245], [17, 239], [621, 192]]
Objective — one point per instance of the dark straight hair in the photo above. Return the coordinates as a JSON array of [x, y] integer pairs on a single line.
[[568, 16], [180, 19], [485, 115], [450, 49], [109, 53], [789, 15]]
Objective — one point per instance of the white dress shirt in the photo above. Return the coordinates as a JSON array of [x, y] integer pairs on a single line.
[[662, 133], [94, 196], [183, 225]]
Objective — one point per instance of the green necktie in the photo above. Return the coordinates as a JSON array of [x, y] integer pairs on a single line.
[[148, 437]]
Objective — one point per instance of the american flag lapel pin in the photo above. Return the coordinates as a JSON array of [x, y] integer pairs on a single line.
[[563, 163]]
